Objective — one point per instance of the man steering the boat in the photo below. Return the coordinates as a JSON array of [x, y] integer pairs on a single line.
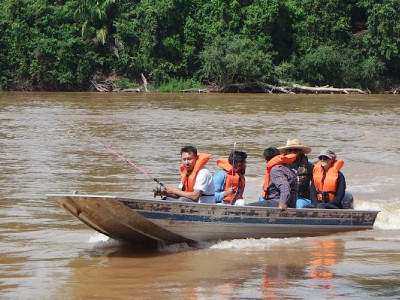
[[196, 180], [230, 182]]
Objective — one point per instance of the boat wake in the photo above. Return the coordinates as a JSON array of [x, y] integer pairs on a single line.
[[174, 248], [259, 244], [104, 243], [389, 216]]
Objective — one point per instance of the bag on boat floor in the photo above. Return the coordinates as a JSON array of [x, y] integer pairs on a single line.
[[348, 201]]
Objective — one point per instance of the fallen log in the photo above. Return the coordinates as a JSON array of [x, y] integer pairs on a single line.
[[130, 90], [251, 87], [278, 89], [259, 87], [325, 90], [193, 90], [100, 87]]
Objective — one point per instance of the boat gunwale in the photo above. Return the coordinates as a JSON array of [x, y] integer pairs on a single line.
[[222, 207], [172, 214]]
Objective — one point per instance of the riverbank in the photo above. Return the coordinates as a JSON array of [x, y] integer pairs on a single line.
[[115, 83], [189, 86]]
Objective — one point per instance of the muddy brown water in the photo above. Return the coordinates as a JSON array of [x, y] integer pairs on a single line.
[[47, 254]]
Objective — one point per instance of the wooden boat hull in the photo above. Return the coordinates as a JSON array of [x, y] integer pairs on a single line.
[[145, 220]]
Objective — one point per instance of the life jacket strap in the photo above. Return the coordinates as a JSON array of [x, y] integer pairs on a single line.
[[324, 196]]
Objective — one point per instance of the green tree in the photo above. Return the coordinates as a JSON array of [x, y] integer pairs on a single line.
[[270, 24], [325, 22], [155, 38], [97, 19], [329, 65], [381, 40], [334, 42], [43, 50], [236, 59]]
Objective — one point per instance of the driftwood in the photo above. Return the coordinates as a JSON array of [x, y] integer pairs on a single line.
[[394, 91], [193, 90], [279, 89], [126, 90], [250, 87], [144, 82], [325, 90], [259, 87], [102, 87]]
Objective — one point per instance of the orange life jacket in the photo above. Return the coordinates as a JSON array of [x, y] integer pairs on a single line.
[[188, 180], [277, 160], [327, 185], [233, 180]]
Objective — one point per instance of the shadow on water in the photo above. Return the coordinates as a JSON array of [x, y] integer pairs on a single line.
[[112, 248]]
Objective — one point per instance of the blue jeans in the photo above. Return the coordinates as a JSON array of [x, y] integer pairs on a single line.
[[301, 202]]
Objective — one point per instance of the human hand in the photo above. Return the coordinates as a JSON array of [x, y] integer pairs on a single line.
[[158, 191], [282, 206], [229, 191]]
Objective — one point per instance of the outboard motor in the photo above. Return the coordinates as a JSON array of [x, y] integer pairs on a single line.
[[348, 201]]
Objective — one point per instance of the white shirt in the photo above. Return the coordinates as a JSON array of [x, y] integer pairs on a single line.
[[204, 182]]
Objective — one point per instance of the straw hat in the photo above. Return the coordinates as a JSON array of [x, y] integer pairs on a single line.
[[295, 144]]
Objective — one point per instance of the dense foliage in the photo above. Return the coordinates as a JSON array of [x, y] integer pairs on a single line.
[[62, 45]]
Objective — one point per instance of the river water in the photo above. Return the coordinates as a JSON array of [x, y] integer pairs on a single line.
[[47, 254]]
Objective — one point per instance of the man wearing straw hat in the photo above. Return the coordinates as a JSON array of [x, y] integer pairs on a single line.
[[303, 169]]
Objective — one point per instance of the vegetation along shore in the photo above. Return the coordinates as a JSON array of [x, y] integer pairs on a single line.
[[274, 46]]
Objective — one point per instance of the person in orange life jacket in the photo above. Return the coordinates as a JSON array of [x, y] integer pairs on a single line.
[[329, 185], [196, 180], [230, 182], [280, 182], [303, 169]]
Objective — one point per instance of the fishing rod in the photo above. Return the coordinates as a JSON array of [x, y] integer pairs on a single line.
[[233, 170], [233, 161], [119, 155]]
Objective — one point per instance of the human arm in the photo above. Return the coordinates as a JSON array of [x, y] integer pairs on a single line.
[[340, 191], [280, 180], [313, 194], [219, 179], [176, 193], [203, 186]]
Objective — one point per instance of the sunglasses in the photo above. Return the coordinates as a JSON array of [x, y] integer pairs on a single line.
[[323, 158]]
